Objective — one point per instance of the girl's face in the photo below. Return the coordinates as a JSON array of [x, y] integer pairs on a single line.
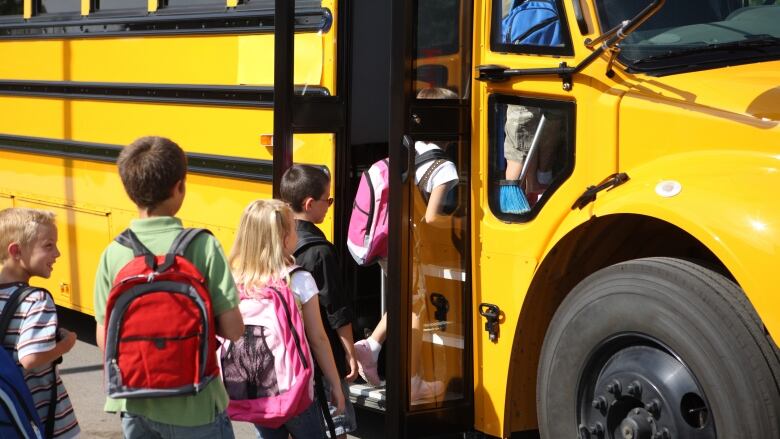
[[290, 238]]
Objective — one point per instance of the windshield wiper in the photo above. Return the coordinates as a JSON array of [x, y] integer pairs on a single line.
[[755, 42]]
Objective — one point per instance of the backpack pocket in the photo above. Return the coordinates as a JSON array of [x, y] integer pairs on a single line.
[[248, 366]]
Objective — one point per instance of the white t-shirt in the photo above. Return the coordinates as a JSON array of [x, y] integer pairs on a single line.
[[304, 287], [447, 173]]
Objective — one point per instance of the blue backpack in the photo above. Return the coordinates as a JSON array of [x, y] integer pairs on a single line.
[[18, 416], [532, 22]]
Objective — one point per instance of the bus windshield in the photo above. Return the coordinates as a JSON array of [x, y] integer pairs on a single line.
[[690, 35]]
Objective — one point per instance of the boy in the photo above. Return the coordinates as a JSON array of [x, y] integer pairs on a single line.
[[28, 247], [306, 189], [153, 171]]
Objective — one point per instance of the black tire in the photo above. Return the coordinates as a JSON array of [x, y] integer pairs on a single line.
[[642, 317]]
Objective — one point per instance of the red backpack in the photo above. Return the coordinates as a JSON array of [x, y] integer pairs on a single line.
[[160, 336]]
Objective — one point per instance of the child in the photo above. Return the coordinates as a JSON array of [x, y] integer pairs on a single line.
[[261, 256], [153, 171], [433, 186], [28, 247], [307, 188]]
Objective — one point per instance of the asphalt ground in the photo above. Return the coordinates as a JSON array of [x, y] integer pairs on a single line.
[[82, 373]]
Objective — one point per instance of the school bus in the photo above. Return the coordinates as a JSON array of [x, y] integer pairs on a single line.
[[633, 297]]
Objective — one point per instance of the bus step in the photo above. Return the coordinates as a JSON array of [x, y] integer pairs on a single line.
[[367, 396]]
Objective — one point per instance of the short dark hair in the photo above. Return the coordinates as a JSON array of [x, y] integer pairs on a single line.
[[303, 181], [150, 167]]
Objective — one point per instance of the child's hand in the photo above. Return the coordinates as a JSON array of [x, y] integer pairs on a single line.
[[353, 368], [338, 400], [67, 340]]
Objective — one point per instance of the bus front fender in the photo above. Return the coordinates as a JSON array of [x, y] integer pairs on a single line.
[[727, 200]]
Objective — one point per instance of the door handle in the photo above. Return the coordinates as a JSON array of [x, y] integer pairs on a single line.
[[408, 144]]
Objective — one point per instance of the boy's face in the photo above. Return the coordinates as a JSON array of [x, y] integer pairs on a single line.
[[318, 208], [38, 258]]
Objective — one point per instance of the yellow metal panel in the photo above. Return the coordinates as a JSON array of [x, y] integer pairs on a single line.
[[255, 59], [33, 60], [35, 117], [6, 201]]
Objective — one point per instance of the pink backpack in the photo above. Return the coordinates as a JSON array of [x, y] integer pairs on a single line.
[[268, 373], [368, 225]]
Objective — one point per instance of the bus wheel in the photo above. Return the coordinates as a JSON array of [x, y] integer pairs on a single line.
[[658, 348]]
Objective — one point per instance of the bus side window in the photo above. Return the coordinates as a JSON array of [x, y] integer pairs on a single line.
[[531, 153], [11, 7], [530, 26]]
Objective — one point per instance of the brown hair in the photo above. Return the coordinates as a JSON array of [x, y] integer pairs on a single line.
[[20, 224], [436, 93], [150, 167], [303, 181]]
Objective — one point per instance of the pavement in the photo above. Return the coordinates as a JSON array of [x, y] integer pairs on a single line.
[[82, 374]]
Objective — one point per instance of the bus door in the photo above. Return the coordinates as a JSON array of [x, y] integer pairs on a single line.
[[429, 379]]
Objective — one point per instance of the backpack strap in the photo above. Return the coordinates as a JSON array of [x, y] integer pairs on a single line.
[[129, 239], [427, 156], [309, 241], [179, 245], [319, 389], [427, 176], [11, 305], [16, 298]]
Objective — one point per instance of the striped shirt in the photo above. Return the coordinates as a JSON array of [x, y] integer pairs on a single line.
[[32, 330]]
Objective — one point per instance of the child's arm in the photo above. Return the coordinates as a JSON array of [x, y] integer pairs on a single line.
[[230, 325], [345, 336], [434, 203], [320, 346], [38, 359]]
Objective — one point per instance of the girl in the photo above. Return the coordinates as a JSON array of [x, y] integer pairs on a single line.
[[261, 256]]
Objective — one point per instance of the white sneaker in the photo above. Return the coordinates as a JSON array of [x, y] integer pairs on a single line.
[[422, 391]]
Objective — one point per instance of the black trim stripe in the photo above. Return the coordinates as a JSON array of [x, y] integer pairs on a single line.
[[209, 164], [242, 95], [232, 22]]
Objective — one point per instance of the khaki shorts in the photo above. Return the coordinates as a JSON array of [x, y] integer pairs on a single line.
[[519, 131]]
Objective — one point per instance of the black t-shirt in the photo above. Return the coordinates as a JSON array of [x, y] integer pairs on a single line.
[[319, 259]]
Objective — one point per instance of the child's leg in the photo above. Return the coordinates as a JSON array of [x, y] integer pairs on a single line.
[[138, 427], [304, 426]]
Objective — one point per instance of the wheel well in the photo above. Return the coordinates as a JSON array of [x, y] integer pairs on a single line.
[[598, 243]]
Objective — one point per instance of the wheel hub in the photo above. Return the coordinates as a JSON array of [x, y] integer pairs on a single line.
[[635, 388]]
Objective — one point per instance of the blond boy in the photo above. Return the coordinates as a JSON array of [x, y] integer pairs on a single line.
[[28, 247]]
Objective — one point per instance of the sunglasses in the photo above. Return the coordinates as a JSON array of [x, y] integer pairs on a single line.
[[328, 200]]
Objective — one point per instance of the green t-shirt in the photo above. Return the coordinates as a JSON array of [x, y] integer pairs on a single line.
[[205, 252]]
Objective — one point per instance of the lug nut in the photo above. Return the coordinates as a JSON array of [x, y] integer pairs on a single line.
[[635, 389], [654, 407], [614, 388], [597, 430], [600, 403], [662, 434], [584, 432]]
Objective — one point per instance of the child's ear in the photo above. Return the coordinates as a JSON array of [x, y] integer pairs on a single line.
[[306, 204], [14, 250]]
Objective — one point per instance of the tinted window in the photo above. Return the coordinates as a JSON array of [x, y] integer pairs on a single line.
[[11, 7], [177, 3], [59, 7], [108, 5]]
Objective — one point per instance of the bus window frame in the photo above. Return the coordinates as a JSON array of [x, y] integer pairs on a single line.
[[500, 98], [529, 49]]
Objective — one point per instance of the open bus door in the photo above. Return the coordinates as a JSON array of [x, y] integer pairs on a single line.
[[429, 366]]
